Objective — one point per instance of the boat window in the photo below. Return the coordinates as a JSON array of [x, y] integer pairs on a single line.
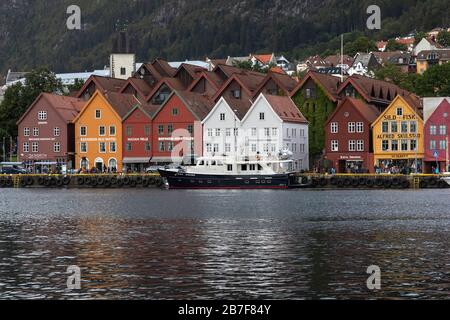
[[260, 168], [244, 167], [247, 181], [213, 163], [201, 163], [252, 167], [230, 167]]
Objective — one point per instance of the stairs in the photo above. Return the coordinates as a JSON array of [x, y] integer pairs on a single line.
[[416, 183], [16, 181]]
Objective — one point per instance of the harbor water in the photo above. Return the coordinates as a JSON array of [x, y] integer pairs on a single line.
[[160, 244]]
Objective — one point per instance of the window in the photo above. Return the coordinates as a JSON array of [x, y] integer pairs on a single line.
[[351, 145], [112, 131], [83, 131], [222, 117], [161, 129], [208, 147], [26, 132], [334, 145], [35, 147], [404, 145], [236, 94], [56, 147], [210, 132], [83, 147], [294, 147], [385, 127], [394, 145], [253, 132], [253, 147], [274, 132], [443, 130], [227, 147], [442, 145], [98, 114], [102, 147], [433, 130], [399, 112], [123, 71], [394, 127], [56, 132], [35, 132], [413, 145], [432, 145], [170, 146], [228, 132], [112, 147], [216, 147], [236, 132], [229, 167], [174, 111], [334, 127], [170, 128], [190, 129], [26, 147], [360, 127], [385, 145], [351, 127], [261, 116], [217, 132], [294, 133], [129, 146], [267, 132], [266, 147], [102, 131], [302, 147], [404, 127], [413, 127], [42, 115], [302, 132], [308, 93], [360, 145], [161, 146], [147, 146]]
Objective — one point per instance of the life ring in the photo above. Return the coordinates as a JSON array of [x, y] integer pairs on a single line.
[[66, 180], [120, 182], [113, 181], [80, 181], [87, 180], [41, 181], [145, 182], [23, 182], [340, 183], [333, 181], [370, 183], [139, 180], [396, 181], [93, 182], [126, 180], [379, 182], [347, 182], [107, 182], [387, 183], [133, 183], [159, 182], [47, 182], [152, 181], [362, 181], [100, 181], [9, 182], [30, 181]]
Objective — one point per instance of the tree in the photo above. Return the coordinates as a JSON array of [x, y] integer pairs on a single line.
[[443, 38], [393, 45], [76, 86], [419, 36], [20, 96], [361, 44], [393, 73], [435, 82]]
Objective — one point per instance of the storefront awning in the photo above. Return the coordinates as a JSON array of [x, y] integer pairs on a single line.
[[136, 160]]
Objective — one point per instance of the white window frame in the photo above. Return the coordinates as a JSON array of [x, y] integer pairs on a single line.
[[115, 147], [35, 132], [42, 116], [334, 145], [26, 147], [334, 127], [352, 145], [360, 145], [26, 132], [85, 131], [56, 147], [360, 127], [56, 131], [351, 127], [81, 147], [35, 147], [99, 112], [100, 147]]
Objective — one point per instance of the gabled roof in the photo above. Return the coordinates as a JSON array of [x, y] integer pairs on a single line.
[[335, 60], [140, 85], [249, 81], [367, 111], [443, 55], [409, 100], [392, 57], [199, 105], [148, 109], [194, 71], [285, 82], [373, 90], [239, 107], [264, 58], [172, 83], [66, 107], [209, 76], [103, 83], [285, 108], [227, 70], [328, 83], [164, 66], [152, 70]]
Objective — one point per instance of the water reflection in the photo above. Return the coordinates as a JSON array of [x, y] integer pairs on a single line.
[[148, 246]]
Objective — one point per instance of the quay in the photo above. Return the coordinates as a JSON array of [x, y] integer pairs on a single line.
[[318, 181]]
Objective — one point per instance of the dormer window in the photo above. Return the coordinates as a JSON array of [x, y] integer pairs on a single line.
[[98, 114], [222, 117], [399, 112], [42, 115], [236, 94], [261, 116]]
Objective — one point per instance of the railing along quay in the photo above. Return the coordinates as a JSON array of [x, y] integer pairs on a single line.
[[81, 181]]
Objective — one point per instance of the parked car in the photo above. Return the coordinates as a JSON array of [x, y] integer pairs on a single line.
[[153, 169], [12, 170]]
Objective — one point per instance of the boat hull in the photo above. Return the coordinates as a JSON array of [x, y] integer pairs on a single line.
[[183, 180]]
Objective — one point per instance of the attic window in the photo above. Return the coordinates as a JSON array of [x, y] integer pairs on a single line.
[[236, 94], [174, 111], [42, 115], [399, 112]]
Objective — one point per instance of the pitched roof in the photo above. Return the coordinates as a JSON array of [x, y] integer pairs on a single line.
[[367, 111], [264, 58], [141, 86], [335, 60], [67, 107], [373, 90], [199, 104], [172, 83], [209, 76], [392, 57], [285, 108], [249, 81], [443, 55], [167, 70], [411, 100], [284, 81], [120, 102], [239, 107], [103, 83], [277, 69], [150, 68], [328, 83], [193, 70]]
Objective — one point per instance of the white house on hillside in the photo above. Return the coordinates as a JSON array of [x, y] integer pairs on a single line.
[[272, 125]]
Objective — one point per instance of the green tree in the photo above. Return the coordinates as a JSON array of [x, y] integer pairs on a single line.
[[393, 45], [443, 38], [20, 96], [394, 74], [435, 82], [419, 36], [361, 44], [76, 86]]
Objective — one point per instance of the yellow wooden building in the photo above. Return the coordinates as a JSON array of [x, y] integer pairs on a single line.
[[398, 137]]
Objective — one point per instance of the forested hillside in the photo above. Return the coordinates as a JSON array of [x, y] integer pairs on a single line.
[[33, 32]]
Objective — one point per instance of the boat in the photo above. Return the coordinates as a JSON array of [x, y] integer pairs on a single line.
[[446, 177], [230, 173]]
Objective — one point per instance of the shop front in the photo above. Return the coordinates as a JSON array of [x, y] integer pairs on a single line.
[[356, 164]]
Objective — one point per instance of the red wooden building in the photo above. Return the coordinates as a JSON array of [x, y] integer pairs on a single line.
[[348, 137], [436, 139], [137, 137], [177, 129]]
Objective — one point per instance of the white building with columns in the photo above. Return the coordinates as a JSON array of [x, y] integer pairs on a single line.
[[267, 127]]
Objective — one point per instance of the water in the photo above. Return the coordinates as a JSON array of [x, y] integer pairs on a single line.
[[158, 244]]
